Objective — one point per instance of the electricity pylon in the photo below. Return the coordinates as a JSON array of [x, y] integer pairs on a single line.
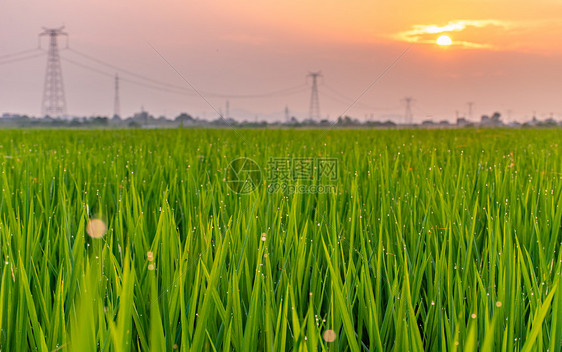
[[470, 105], [408, 114], [54, 102], [116, 102], [314, 112]]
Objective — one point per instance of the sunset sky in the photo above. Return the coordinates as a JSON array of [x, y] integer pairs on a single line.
[[505, 56]]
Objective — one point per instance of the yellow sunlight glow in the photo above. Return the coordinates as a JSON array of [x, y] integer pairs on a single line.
[[426, 33], [444, 40]]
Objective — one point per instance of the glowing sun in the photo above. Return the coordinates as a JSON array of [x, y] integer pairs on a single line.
[[444, 40]]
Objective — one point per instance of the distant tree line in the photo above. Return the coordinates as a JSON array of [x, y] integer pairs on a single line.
[[144, 119]]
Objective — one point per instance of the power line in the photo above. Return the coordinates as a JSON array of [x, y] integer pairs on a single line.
[[91, 58], [183, 92], [22, 58], [6, 56], [272, 94], [346, 100], [142, 84], [194, 89], [281, 92], [378, 78]]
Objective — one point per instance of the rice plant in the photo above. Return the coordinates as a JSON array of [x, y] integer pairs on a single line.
[[134, 240]]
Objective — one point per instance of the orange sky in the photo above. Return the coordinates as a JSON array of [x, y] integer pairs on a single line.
[[506, 55]]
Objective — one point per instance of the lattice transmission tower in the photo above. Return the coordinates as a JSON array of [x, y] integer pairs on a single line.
[[470, 105], [116, 102], [314, 112], [408, 114], [54, 102]]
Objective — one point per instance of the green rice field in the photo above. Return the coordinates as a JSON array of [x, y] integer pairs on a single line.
[[417, 240]]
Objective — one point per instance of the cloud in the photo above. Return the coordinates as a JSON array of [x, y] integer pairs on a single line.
[[469, 29]]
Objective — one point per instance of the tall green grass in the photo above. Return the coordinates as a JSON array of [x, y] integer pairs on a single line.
[[435, 240]]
